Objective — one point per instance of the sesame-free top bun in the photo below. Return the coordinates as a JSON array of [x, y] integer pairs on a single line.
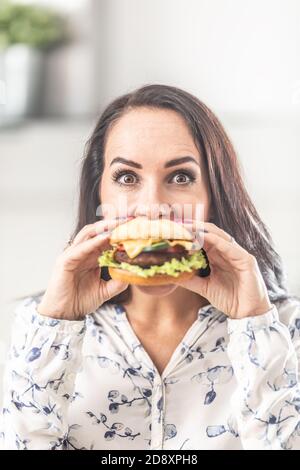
[[157, 280], [142, 227]]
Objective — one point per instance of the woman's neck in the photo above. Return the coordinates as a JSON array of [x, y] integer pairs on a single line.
[[177, 308]]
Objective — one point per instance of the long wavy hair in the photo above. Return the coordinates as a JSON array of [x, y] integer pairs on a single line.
[[231, 204]]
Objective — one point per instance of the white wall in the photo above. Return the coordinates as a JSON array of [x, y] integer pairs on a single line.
[[235, 55]]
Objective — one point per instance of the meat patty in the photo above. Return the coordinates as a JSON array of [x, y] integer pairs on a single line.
[[148, 259]]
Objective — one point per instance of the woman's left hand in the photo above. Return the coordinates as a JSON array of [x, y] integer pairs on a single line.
[[235, 285]]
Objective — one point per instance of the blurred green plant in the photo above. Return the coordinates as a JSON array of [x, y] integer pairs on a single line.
[[35, 26]]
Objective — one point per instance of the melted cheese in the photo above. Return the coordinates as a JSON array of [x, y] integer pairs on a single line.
[[135, 247]]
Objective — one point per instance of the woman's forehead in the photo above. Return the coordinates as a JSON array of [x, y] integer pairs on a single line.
[[142, 130]]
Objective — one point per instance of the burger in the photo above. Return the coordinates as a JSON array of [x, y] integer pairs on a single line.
[[152, 252]]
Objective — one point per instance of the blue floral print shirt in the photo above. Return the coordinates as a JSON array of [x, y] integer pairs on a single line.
[[90, 384]]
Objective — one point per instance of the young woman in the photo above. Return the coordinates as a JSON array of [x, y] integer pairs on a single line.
[[210, 363]]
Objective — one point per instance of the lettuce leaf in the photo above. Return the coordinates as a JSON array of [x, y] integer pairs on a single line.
[[172, 268]]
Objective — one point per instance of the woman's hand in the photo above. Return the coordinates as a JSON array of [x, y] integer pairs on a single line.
[[235, 285], [75, 288]]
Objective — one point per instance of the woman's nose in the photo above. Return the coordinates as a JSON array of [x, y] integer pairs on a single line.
[[152, 204]]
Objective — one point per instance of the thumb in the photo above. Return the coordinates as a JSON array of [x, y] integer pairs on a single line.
[[111, 288]]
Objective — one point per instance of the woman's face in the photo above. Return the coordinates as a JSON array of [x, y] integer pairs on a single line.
[[143, 173]]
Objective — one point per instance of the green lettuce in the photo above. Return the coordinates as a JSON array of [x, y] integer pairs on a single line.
[[172, 268]]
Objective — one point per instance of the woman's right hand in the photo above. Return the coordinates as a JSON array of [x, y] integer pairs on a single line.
[[75, 288]]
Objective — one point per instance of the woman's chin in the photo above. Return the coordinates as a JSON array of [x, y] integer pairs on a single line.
[[158, 290]]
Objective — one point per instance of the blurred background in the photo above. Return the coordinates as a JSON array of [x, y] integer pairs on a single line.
[[63, 61]]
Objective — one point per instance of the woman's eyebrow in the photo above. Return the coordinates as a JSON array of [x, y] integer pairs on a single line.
[[178, 161], [127, 162], [173, 162]]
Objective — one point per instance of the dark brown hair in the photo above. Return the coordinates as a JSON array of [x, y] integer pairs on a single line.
[[231, 205]]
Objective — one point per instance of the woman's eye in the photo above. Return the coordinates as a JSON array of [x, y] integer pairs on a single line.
[[124, 178], [127, 179], [183, 178]]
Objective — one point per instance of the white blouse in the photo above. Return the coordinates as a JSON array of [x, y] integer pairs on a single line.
[[90, 384]]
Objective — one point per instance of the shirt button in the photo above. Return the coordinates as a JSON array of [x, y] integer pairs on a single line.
[[156, 443]]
